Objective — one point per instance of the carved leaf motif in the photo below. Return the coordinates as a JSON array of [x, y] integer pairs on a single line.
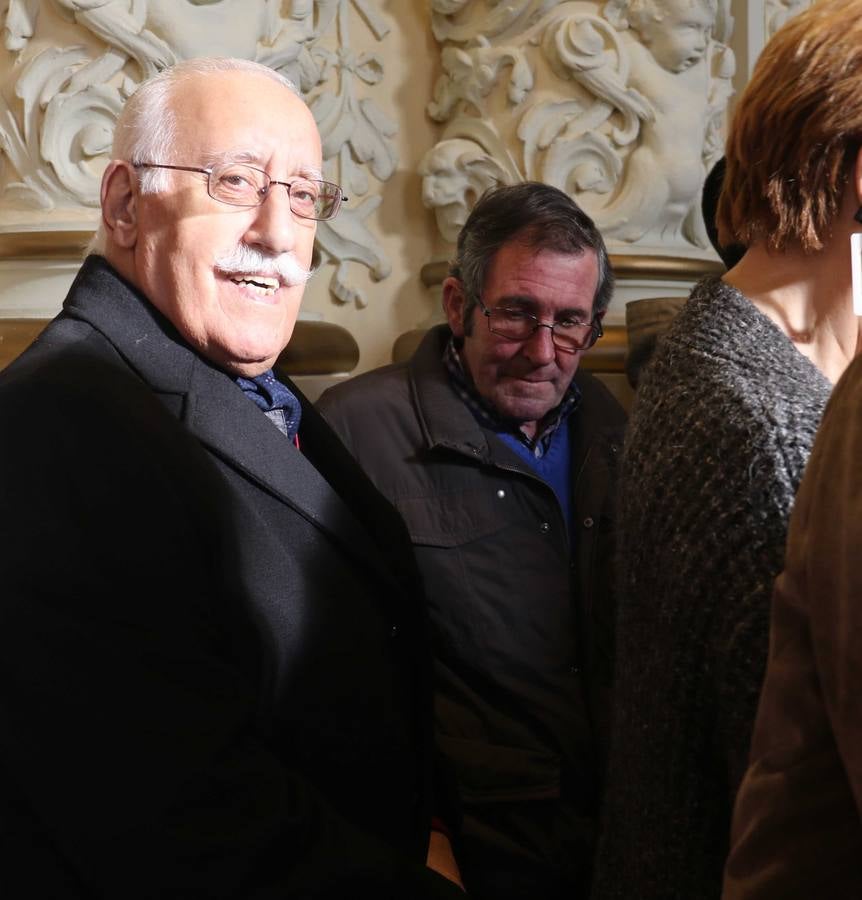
[[381, 154], [543, 123], [587, 50], [472, 73], [290, 49], [333, 116], [778, 12], [121, 24], [369, 68], [448, 7], [347, 238], [361, 125], [78, 128], [587, 164], [41, 80], [378, 25], [491, 22]]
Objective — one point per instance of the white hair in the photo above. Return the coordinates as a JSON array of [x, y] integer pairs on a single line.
[[146, 128]]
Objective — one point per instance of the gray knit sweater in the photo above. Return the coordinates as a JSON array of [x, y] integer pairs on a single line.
[[721, 430]]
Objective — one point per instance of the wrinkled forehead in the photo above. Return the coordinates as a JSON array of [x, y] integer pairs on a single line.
[[244, 116]]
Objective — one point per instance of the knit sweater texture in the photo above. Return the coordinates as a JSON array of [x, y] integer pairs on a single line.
[[722, 427]]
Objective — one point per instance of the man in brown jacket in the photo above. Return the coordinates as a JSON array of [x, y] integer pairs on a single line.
[[797, 827], [500, 455]]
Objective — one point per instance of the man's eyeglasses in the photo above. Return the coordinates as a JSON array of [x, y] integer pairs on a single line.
[[240, 185], [568, 335]]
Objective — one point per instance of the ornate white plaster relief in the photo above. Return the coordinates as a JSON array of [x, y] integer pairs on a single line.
[[619, 103], [59, 104], [777, 12]]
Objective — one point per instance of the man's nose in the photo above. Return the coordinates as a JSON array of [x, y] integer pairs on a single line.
[[539, 347], [274, 227]]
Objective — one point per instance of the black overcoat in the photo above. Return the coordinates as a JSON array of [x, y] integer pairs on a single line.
[[213, 677]]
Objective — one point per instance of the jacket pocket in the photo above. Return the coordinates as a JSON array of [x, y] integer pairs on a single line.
[[454, 519]]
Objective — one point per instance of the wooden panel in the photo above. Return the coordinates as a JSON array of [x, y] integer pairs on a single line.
[[16, 335], [607, 355], [319, 348], [316, 348], [662, 268]]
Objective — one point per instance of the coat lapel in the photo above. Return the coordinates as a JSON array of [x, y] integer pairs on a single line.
[[235, 430], [214, 409]]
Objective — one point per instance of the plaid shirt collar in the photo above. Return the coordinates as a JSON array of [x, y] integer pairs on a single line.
[[486, 415]]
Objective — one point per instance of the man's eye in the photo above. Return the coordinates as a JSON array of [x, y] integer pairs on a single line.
[[304, 193], [574, 323], [512, 315]]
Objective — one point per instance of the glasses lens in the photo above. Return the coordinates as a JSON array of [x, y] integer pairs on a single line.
[[575, 335], [314, 199], [511, 323], [238, 185]]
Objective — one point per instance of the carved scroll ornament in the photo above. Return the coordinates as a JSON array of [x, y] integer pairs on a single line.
[[777, 12], [57, 113], [619, 103]]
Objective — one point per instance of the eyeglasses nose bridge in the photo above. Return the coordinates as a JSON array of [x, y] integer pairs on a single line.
[[537, 325], [268, 192]]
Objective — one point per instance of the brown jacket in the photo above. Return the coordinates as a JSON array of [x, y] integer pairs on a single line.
[[522, 625], [797, 831]]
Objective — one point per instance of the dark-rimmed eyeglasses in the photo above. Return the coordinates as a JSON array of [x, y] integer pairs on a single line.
[[240, 185], [568, 335]]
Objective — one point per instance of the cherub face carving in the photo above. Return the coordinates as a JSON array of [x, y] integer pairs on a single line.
[[677, 32]]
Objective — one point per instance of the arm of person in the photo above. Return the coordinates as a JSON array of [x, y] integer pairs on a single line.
[[796, 825]]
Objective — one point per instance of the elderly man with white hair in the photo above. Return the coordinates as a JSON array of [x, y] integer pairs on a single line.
[[214, 675]]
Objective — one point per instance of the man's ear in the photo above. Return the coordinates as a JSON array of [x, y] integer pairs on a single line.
[[120, 204], [453, 305]]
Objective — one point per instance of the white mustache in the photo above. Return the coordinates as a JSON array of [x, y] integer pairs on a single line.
[[245, 260]]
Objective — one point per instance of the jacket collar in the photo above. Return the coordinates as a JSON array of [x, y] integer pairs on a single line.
[[445, 420]]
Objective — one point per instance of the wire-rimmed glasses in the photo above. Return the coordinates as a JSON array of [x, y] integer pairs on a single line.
[[568, 335], [238, 184]]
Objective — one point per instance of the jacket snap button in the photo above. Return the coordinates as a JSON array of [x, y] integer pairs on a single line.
[[588, 522], [501, 493], [394, 631], [544, 527], [574, 670]]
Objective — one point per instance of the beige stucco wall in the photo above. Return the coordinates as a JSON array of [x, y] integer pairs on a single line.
[[407, 231]]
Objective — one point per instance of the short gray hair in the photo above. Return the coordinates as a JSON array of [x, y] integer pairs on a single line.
[[146, 128]]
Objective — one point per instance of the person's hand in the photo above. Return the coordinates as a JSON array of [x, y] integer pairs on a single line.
[[441, 858]]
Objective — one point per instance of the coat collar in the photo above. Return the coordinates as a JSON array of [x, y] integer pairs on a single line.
[[213, 408], [447, 422]]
